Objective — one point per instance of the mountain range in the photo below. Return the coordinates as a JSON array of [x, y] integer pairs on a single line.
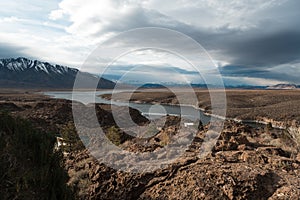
[[26, 73], [283, 87]]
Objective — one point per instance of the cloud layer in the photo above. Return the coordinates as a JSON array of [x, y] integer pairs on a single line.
[[248, 40]]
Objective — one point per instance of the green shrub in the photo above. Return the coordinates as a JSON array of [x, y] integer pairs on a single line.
[[71, 138], [113, 135], [29, 166]]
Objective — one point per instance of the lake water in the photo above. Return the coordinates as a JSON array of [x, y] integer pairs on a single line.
[[148, 110]]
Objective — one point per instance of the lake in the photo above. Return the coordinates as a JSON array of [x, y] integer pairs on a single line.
[[148, 110]]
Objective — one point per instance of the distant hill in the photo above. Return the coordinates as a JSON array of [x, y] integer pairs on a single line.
[[157, 85], [26, 73], [282, 87]]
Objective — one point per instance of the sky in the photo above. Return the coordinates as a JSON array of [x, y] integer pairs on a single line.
[[253, 42]]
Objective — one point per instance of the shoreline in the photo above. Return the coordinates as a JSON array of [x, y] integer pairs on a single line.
[[275, 124], [245, 121], [219, 116], [263, 121]]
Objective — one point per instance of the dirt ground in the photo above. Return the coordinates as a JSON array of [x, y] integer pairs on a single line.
[[245, 163]]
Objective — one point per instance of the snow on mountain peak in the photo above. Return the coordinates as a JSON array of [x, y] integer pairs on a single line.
[[22, 64], [27, 73]]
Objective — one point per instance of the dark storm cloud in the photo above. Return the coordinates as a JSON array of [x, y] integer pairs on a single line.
[[257, 56], [149, 18], [251, 53], [11, 51], [285, 73], [253, 37], [270, 43], [266, 50], [231, 70], [257, 52], [121, 69]]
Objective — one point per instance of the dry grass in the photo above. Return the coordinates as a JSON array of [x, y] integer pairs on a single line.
[[294, 135]]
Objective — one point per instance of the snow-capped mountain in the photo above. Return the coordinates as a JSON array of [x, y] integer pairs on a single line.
[[23, 72], [282, 87]]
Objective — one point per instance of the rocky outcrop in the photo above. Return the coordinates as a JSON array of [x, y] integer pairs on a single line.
[[242, 165]]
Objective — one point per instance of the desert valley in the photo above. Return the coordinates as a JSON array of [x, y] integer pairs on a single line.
[[247, 162]]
